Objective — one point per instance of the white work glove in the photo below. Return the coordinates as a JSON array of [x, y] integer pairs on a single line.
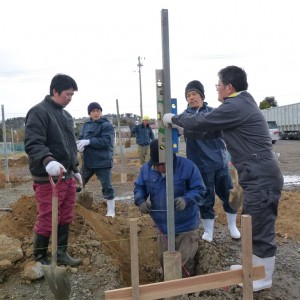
[[78, 178], [81, 144], [54, 167], [180, 203], [167, 119], [145, 207]]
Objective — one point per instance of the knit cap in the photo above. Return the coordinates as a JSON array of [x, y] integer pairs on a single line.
[[197, 86], [94, 105]]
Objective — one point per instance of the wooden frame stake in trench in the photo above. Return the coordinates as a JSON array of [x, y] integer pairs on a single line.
[[171, 288]]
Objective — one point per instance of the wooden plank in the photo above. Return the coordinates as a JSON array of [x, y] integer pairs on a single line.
[[185, 285], [247, 257], [134, 255]]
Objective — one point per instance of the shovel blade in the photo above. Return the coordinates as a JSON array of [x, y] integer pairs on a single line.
[[58, 281]]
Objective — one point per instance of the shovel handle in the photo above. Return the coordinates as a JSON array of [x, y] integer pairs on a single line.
[[54, 217]]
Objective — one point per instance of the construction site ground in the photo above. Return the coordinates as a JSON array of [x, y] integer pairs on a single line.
[[104, 246]]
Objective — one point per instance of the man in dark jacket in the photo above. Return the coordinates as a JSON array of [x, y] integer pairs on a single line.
[[96, 141], [248, 140], [189, 190], [208, 151], [144, 135], [51, 147]]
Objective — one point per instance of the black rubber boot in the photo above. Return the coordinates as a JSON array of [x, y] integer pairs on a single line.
[[63, 258], [40, 244]]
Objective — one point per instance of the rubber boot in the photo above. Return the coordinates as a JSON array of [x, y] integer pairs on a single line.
[[63, 258], [269, 264], [208, 225], [40, 245], [110, 208], [234, 232]]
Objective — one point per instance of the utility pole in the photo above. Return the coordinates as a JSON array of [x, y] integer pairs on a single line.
[[140, 81]]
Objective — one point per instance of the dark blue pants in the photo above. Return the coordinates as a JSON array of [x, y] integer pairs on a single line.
[[104, 176], [217, 182]]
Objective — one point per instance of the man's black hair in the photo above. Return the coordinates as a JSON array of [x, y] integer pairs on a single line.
[[62, 82], [235, 76]]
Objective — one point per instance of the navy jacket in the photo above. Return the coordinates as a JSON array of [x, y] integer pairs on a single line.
[[144, 135], [188, 184], [206, 149], [99, 153]]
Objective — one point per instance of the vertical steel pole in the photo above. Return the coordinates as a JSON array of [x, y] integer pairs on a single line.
[[140, 82], [12, 140], [119, 131], [168, 131], [5, 144]]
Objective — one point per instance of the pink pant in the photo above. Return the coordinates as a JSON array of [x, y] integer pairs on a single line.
[[66, 191]]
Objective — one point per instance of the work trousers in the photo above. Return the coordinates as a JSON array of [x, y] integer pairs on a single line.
[[104, 176], [217, 182], [66, 192], [262, 182], [144, 153], [187, 244]]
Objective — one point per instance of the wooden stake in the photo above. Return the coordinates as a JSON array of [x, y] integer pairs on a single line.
[[134, 259], [247, 257]]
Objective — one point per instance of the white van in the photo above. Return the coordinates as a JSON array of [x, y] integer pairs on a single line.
[[274, 131]]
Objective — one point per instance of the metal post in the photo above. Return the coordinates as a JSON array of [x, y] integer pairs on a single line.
[[140, 82], [12, 140], [168, 131], [5, 144], [119, 130]]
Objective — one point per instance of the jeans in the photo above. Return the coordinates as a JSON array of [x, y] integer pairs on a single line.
[[217, 182], [104, 176]]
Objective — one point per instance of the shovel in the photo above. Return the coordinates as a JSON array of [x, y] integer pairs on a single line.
[[56, 276], [84, 198]]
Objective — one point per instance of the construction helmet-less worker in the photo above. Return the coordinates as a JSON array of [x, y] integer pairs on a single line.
[[146, 118]]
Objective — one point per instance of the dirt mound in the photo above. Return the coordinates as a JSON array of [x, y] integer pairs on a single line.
[[112, 233], [15, 161], [287, 223]]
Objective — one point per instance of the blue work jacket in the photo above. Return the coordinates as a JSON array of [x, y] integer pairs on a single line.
[[188, 184], [206, 149]]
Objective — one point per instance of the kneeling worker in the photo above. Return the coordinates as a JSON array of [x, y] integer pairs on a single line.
[[189, 190]]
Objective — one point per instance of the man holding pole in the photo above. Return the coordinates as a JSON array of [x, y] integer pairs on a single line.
[[249, 143]]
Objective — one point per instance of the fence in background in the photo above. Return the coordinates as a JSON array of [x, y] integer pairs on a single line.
[[12, 147]]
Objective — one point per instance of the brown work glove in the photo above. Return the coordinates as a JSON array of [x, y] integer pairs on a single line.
[[236, 195]]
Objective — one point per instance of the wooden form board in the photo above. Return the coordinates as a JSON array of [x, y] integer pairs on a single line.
[[186, 285]]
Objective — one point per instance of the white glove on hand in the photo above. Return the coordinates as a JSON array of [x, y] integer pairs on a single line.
[[78, 178], [180, 203], [167, 119], [54, 167], [81, 144]]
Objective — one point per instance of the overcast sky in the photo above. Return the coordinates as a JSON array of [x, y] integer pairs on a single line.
[[98, 44]]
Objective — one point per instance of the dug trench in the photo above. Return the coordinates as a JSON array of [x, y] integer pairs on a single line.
[[103, 244]]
